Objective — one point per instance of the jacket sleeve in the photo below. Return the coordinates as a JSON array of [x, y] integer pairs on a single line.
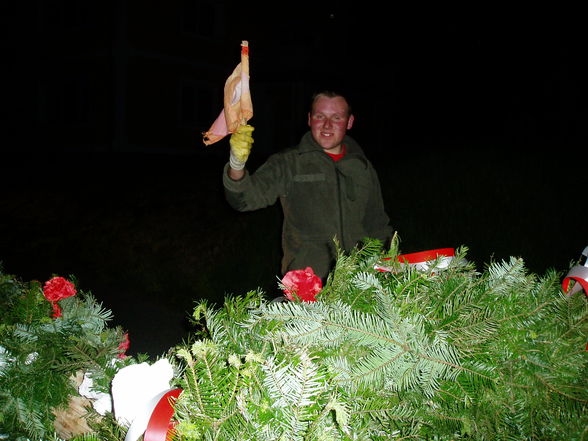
[[258, 190], [376, 220]]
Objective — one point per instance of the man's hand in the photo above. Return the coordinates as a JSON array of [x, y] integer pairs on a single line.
[[241, 142]]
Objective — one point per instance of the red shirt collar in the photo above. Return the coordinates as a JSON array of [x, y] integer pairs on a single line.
[[337, 156]]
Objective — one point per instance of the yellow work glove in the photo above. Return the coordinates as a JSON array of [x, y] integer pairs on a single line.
[[241, 142]]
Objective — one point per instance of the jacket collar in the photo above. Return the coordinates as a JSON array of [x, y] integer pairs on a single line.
[[308, 144]]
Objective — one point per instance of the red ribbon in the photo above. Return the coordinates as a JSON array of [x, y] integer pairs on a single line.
[[579, 274], [160, 426], [420, 257], [424, 256]]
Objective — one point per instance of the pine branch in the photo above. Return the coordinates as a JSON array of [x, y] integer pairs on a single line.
[[452, 355]]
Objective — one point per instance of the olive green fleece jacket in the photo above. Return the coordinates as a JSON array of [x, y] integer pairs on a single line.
[[321, 200]]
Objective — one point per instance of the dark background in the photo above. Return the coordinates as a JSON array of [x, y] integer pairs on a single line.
[[474, 118]]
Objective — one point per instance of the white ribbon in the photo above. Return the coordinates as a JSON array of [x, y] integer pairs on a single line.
[[136, 390]]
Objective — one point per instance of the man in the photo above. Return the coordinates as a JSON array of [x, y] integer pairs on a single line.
[[327, 188]]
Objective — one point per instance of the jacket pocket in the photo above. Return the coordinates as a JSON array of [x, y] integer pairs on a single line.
[[314, 177]]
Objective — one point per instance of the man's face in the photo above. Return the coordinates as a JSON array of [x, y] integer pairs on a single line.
[[329, 121]]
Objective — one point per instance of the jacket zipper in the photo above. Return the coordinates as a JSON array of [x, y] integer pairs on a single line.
[[340, 204]]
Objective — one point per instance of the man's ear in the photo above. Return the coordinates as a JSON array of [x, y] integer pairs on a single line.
[[308, 119], [350, 121]]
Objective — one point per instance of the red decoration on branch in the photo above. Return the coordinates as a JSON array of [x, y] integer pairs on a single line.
[[57, 289], [302, 284], [124, 346]]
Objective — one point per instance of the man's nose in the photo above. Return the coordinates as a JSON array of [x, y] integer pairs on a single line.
[[327, 123]]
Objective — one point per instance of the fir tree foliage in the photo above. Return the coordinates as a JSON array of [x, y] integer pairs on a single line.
[[453, 354], [39, 355]]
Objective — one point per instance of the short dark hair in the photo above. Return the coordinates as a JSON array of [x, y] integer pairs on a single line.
[[328, 94]]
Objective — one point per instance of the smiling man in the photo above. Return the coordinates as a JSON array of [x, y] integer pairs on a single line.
[[327, 187], [329, 120]]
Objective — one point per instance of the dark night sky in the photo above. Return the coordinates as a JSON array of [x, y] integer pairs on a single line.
[[474, 117]]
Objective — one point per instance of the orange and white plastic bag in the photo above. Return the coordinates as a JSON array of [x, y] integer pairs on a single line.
[[238, 107]]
